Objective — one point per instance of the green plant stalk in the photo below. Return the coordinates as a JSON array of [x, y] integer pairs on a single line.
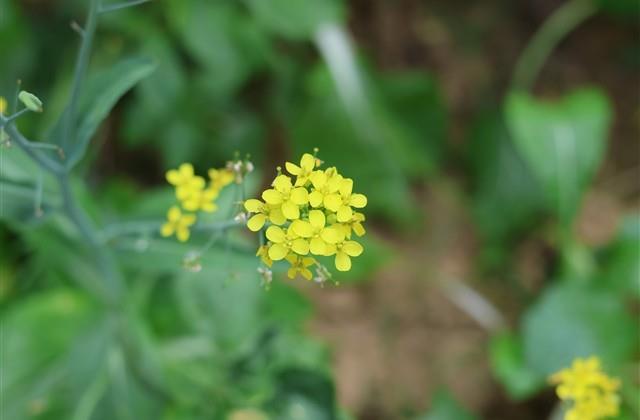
[[564, 20]]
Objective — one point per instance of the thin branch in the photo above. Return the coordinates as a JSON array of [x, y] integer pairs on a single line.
[[77, 28], [123, 5], [13, 117]]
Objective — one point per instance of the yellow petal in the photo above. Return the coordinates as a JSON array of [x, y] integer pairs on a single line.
[[173, 177], [308, 261], [315, 199], [300, 246], [308, 162], [174, 214], [317, 219], [299, 196], [344, 214], [282, 183], [329, 250], [306, 273], [332, 235], [167, 230], [188, 219], [277, 252], [186, 170], [256, 222], [317, 246], [346, 186], [292, 168], [333, 183], [276, 217], [291, 273], [302, 228], [275, 234], [292, 258], [358, 200], [318, 179], [343, 262], [254, 206], [352, 248], [290, 210], [182, 234], [272, 196], [332, 202], [358, 229]]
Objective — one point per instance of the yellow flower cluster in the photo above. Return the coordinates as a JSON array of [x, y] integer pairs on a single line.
[[593, 393], [194, 195], [311, 214]]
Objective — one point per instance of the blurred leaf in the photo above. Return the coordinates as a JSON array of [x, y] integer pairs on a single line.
[[19, 203], [562, 142], [303, 394], [570, 321], [102, 92], [445, 407], [621, 260], [508, 364], [294, 19]]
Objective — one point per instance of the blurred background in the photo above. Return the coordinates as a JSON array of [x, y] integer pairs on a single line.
[[503, 233]]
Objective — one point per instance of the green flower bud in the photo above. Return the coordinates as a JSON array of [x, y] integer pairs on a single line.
[[31, 101]]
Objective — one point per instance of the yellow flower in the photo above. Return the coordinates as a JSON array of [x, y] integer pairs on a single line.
[[286, 196], [220, 178], [263, 253], [341, 203], [201, 199], [3, 105], [184, 180], [178, 223], [355, 225], [302, 172], [285, 242], [342, 248], [263, 212], [324, 184], [299, 264], [314, 229], [593, 394]]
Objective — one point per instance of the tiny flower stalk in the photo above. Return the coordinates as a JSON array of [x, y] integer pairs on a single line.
[[589, 392], [310, 214]]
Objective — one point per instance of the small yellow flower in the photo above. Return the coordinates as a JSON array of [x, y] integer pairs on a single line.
[[263, 213], [593, 394], [263, 253], [286, 197], [300, 265], [284, 242], [342, 248], [3, 105], [185, 181], [220, 178], [201, 200], [178, 223], [354, 225], [341, 203], [302, 172], [314, 229], [324, 184]]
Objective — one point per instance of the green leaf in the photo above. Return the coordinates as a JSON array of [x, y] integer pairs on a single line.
[[621, 260], [101, 94], [571, 320], [303, 394], [445, 407], [563, 142], [508, 364], [295, 19]]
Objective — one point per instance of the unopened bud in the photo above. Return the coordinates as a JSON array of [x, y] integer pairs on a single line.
[[31, 101]]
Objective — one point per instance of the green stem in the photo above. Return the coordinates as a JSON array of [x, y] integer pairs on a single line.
[[82, 63], [564, 20]]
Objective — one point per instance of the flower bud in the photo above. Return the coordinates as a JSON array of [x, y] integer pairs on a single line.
[[31, 101], [3, 105]]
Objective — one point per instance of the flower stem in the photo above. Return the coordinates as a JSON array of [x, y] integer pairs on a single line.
[[565, 19]]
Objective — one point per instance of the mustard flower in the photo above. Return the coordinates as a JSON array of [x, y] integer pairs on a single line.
[[324, 184], [302, 172], [185, 181], [263, 253], [342, 248], [591, 393], [178, 223], [286, 196], [201, 200], [341, 203], [313, 230], [354, 225], [263, 213], [300, 264], [284, 242], [220, 178]]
